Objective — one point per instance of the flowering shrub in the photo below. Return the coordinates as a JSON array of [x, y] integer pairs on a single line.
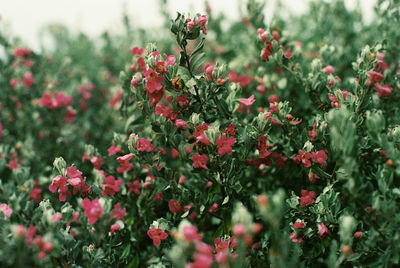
[[161, 167]]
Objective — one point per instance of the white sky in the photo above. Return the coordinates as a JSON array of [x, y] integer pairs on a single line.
[[24, 18]]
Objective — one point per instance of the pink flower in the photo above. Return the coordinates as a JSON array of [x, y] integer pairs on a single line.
[[320, 157], [375, 77], [13, 83], [179, 123], [383, 91], [60, 183], [190, 24], [157, 235], [307, 198], [143, 144], [246, 102], [114, 228], [298, 225], [190, 233], [220, 245], [209, 69], [93, 210], [273, 98], [28, 80], [134, 187], [312, 177], [182, 101], [111, 186], [31, 233], [287, 54], [323, 230], [116, 98], [296, 238], [334, 101], [125, 166], [213, 208], [267, 51], [358, 235], [328, 69], [202, 22], [56, 217], [313, 133], [239, 230], [70, 115], [224, 145], [21, 52], [303, 158], [118, 213], [153, 81], [200, 161], [62, 100], [13, 164], [137, 51], [175, 206], [203, 139], [6, 210], [36, 194]]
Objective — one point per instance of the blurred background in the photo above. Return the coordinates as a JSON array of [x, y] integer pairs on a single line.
[[26, 19]]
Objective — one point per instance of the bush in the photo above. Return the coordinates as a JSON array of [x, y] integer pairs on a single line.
[[245, 146]]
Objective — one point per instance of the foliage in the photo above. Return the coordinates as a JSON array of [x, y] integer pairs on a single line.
[[247, 145]]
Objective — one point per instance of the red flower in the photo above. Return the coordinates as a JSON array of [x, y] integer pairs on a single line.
[[153, 81], [134, 187], [267, 51], [323, 230], [319, 157], [307, 198], [125, 166], [28, 80], [296, 238], [246, 102], [383, 91], [200, 161], [36, 194], [118, 213], [157, 235], [287, 54], [230, 129], [313, 133], [93, 210], [175, 206], [143, 144], [224, 145], [70, 115], [220, 245], [298, 225], [303, 158], [60, 183], [111, 186]]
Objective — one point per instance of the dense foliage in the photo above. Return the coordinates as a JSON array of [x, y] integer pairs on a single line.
[[219, 144]]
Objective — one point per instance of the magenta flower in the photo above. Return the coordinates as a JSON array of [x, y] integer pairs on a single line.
[[190, 233], [157, 235], [328, 69], [246, 102], [134, 187], [6, 210], [323, 230], [118, 213], [60, 183], [125, 166], [319, 157], [200, 161], [203, 139], [383, 91], [143, 144], [153, 81], [220, 245], [93, 210], [307, 198], [303, 158], [296, 238], [111, 186], [175, 206], [287, 54], [224, 145], [298, 225], [28, 80]]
